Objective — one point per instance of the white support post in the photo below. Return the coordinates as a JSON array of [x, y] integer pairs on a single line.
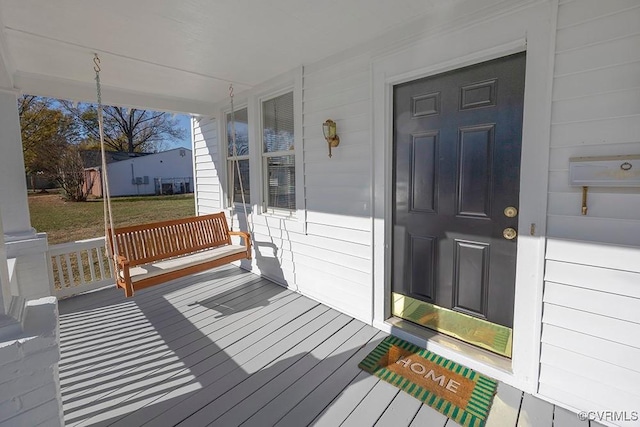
[[13, 185], [21, 240], [29, 334]]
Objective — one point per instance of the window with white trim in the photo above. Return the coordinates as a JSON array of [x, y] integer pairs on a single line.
[[241, 124], [278, 156]]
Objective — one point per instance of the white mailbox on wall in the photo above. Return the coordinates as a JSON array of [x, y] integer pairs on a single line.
[[609, 171]]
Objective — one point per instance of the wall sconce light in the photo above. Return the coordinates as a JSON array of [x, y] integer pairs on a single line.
[[329, 131]]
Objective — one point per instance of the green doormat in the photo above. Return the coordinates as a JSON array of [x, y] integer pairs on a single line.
[[458, 392]]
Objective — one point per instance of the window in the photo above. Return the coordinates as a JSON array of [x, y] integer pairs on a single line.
[[278, 153], [241, 125]]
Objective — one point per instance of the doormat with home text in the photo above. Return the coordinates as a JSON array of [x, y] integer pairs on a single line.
[[458, 392]]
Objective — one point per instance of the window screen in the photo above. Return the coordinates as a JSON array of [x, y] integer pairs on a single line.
[[277, 122], [278, 146], [241, 125]]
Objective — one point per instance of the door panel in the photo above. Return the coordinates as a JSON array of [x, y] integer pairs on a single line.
[[475, 148], [457, 145], [423, 181], [422, 254], [471, 277]]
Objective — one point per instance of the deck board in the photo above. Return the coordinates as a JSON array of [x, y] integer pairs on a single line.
[[288, 336], [371, 408], [211, 364], [428, 417], [505, 407], [127, 346], [227, 348], [564, 418], [260, 389], [535, 412], [353, 394], [401, 411], [129, 361], [322, 380]]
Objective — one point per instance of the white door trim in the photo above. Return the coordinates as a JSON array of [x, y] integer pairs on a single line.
[[531, 29]]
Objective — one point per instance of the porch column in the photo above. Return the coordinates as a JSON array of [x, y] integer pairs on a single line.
[[29, 334], [22, 242], [13, 186]]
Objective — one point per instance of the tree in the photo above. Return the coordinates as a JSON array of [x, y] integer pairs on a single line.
[[45, 134], [54, 132], [71, 174], [127, 129]]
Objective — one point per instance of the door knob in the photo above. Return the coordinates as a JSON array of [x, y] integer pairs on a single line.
[[510, 212], [509, 233]]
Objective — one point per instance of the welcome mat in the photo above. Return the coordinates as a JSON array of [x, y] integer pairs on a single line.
[[459, 393]]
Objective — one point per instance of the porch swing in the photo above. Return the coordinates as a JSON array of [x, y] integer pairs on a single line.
[[150, 254]]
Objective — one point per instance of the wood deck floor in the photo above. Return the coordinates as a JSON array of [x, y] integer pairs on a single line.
[[229, 348]]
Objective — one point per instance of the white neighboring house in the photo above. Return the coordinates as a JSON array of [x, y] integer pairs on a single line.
[[167, 172]]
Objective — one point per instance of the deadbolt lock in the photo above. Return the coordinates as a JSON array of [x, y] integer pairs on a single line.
[[510, 212], [509, 233]]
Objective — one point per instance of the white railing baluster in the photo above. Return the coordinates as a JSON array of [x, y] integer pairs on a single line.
[[69, 270], [100, 255], [80, 267], [60, 275], [92, 269]]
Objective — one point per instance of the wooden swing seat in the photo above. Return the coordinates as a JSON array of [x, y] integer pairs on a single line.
[[150, 254]]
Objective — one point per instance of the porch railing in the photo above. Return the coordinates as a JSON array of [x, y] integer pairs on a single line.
[[80, 266]]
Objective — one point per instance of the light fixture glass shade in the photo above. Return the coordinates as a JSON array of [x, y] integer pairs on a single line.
[[329, 129]]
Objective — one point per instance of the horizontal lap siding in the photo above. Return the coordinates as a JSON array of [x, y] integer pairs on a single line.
[[205, 158], [595, 112], [591, 325], [335, 257], [331, 261]]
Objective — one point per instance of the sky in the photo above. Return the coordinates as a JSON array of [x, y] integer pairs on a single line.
[[185, 122]]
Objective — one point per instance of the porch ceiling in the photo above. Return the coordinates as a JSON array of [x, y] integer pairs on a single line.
[[180, 55]]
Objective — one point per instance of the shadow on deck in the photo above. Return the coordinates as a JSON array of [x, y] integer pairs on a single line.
[[228, 348]]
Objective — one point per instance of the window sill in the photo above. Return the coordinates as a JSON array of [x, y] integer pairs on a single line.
[[289, 220], [280, 214]]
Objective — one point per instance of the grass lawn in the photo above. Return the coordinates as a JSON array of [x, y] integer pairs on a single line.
[[68, 221]]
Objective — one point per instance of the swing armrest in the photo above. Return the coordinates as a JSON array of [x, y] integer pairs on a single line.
[[122, 261], [123, 265], [247, 240], [123, 280]]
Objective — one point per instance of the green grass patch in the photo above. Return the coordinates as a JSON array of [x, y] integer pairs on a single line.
[[70, 221]]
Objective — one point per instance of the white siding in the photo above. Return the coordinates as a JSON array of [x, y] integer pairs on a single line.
[[591, 326], [596, 111], [336, 266], [205, 159], [591, 321]]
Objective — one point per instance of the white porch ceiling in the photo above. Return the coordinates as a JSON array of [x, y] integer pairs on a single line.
[[179, 55]]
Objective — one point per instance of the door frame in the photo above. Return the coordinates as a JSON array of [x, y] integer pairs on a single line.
[[529, 28]]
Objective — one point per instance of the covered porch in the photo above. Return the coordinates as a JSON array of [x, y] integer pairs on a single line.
[[227, 347]]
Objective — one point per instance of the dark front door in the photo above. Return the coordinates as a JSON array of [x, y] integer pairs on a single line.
[[457, 143]]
